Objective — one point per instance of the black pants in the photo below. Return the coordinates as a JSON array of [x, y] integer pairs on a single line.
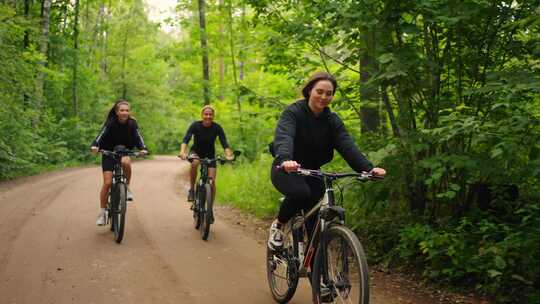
[[301, 193]]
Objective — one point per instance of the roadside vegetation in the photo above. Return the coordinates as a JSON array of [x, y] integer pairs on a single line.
[[443, 94]]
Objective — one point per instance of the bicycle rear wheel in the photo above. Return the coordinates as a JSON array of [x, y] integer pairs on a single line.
[[282, 269], [199, 197], [119, 213], [340, 270], [206, 212]]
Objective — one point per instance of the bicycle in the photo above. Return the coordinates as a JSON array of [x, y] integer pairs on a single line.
[[203, 212], [117, 197], [340, 272]]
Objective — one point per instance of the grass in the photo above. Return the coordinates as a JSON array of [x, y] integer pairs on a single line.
[[247, 186]]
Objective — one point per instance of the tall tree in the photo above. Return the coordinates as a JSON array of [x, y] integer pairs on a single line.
[[221, 56], [26, 39], [74, 96], [43, 49], [369, 97], [204, 49]]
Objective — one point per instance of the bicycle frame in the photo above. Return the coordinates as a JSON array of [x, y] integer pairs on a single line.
[[118, 173], [325, 211], [203, 178]]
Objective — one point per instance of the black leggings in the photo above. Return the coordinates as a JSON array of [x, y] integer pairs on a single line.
[[301, 193]]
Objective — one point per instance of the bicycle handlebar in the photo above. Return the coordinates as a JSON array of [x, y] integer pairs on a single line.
[[361, 176], [121, 153], [209, 160]]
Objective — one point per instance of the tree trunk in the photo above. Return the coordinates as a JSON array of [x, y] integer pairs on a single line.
[[204, 48], [104, 63], [221, 53], [390, 112], [75, 60], [26, 39], [233, 59], [124, 55], [43, 49], [242, 54], [369, 97], [96, 32]]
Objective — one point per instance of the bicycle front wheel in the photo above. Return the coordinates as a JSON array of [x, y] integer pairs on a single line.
[[340, 270], [206, 213], [282, 269], [119, 214], [200, 196]]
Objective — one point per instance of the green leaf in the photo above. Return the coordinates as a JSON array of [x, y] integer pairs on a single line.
[[494, 273]]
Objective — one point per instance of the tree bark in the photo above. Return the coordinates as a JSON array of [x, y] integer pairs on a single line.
[[369, 97], [26, 39], [242, 53], [390, 112], [104, 63], [204, 49], [74, 83], [124, 57], [43, 49], [221, 52]]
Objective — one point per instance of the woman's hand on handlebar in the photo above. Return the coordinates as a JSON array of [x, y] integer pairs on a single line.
[[143, 152], [290, 166], [378, 172], [94, 150], [183, 155]]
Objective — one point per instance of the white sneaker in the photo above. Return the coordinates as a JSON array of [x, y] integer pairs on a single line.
[[129, 195], [275, 240], [102, 218]]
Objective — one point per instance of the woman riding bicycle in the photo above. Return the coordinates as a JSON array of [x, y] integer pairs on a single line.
[[205, 132], [119, 129], [306, 136]]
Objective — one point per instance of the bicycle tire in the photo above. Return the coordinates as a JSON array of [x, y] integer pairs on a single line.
[[199, 196], [120, 213], [110, 199], [341, 280], [274, 259], [206, 212]]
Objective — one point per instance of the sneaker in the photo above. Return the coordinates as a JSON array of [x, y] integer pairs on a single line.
[[275, 240], [129, 195], [191, 195], [102, 218]]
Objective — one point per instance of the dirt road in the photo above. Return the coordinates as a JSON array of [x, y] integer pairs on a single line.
[[52, 252]]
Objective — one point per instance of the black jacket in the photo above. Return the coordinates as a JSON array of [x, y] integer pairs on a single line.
[[310, 140], [114, 133], [205, 138]]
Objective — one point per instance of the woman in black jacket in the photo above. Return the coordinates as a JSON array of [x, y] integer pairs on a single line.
[[119, 129], [306, 136]]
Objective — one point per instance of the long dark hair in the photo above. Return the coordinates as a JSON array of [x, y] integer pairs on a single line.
[[316, 77], [112, 117], [112, 112]]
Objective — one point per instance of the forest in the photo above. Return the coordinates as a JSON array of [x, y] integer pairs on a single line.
[[443, 94]]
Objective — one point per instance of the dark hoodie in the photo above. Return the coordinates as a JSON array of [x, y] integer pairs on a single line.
[[310, 140], [114, 133]]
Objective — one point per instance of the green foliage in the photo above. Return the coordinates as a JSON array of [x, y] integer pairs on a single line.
[[491, 255], [246, 186], [455, 85]]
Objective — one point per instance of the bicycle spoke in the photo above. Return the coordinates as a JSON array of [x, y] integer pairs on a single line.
[[281, 270], [346, 272]]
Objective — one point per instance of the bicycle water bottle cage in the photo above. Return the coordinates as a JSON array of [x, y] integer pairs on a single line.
[[331, 213]]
